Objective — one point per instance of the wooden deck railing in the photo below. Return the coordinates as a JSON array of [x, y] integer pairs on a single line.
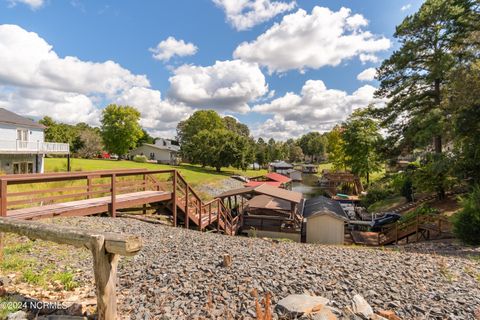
[[48, 188], [418, 225], [38, 190], [202, 214]]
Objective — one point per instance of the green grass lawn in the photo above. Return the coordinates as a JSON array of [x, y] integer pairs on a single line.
[[194, 175], [387, 204]]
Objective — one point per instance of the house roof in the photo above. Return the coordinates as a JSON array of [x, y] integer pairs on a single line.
[[159, 147], [277, 177], [268, 190], [322, 205], [281, 164], [267, 202], [9, 117], [257, 183]]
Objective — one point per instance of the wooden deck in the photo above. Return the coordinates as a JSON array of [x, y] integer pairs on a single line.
[[37, 196], [89, 206]]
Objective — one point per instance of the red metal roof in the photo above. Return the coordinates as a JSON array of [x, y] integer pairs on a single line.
[[257, 183], [277, 177]]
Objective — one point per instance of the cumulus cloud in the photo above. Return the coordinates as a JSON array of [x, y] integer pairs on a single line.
[[167, 49], [245, 14], [406, 7], [35, 81], [322, 38], [315, 108], [225, 86], [367, 74], [33, 4]]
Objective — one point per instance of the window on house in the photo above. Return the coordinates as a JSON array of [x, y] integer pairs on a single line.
[[22, 137], [22, 167]]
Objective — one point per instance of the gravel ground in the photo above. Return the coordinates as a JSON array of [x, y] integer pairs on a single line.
[[178, 275], [214, 189]]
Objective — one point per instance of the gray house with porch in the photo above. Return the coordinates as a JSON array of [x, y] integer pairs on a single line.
[[22, 144]]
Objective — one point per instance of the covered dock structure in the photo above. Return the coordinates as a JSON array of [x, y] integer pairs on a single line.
[[266, 210]]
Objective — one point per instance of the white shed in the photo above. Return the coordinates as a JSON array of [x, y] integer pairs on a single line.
[[325, 221]]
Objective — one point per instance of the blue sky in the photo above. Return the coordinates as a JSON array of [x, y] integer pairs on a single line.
[[296, 71]]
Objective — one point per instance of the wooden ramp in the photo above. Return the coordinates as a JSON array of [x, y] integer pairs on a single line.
[[89, 206]]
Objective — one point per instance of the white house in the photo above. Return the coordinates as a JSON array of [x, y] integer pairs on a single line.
[[22, 144], [163, 151]]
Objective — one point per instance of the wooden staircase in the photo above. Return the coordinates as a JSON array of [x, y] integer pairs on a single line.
[[421, 226], [188, 206]]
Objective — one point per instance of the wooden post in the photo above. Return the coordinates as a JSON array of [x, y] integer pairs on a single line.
[[174, 198], [145, 181], [209, 213], [69, 168], [89, 186], [219, 215], [1, 246], [113, 205], [105, 270], [3, 198], [417, 227], [187, 213], [199, 208], [396, 232], [105, 247]]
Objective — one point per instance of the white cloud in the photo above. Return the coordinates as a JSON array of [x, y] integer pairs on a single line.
[[316, 108], [35, 81], [368, 57], [406, 7], [367, 74], [225, 86], [33, 4], [171, 47], [245, 14], [322, 38]]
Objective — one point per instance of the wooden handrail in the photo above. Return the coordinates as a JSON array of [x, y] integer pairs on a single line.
[[105, 247]]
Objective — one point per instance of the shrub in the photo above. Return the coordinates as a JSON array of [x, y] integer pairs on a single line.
[[467, 222], [139, 158], [424, 209], [374, 195]]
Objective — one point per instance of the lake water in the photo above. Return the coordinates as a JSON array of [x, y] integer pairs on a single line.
[[309, 186]]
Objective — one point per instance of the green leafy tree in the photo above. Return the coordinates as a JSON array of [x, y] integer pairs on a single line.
[[208, 120], [120, 128], [295, 153], [233, 125], [361, 136], [413, 77], [145, 138], [91, 144], [335, 148], [467, 221], [221, 148], [463, 95]]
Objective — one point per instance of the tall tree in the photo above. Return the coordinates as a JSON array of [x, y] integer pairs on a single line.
[[361, 136], [412, 78], [120, 128], [335, 148], [233, 125], [208, 120]]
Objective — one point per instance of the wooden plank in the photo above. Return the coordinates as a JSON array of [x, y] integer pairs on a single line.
[[90, 206]]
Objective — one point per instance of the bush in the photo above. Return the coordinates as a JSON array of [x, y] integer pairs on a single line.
[[140, 158], [374, 195], [422, 210], [466, 224]]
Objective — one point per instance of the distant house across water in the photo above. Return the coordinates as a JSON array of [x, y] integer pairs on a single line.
[[164, 151], [22, 144]]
